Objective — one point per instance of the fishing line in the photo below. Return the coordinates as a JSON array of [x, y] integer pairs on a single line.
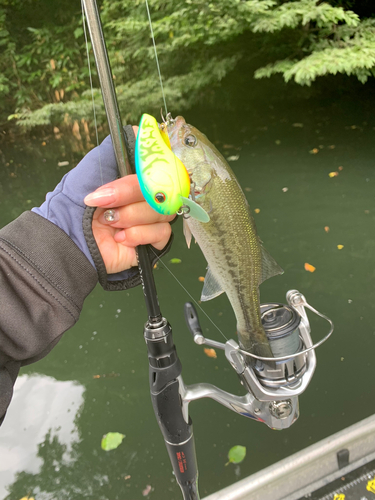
[[166, 110], [189, 294], [161, 82], [156, 57], [178, 177], [92, 91]]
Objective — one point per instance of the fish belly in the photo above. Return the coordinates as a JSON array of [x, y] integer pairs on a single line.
[[231, 247]]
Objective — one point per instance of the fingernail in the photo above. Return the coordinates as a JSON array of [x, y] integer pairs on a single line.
[[104, 195], [111, 215]]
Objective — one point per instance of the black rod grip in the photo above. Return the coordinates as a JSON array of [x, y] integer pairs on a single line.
[[177, 429]]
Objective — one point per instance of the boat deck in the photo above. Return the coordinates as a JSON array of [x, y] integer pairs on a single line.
[[340, 467]]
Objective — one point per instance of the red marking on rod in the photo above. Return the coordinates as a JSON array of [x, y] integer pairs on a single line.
[[180, 462]]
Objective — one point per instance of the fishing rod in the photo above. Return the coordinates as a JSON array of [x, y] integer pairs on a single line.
[[164, 365], [272, 385]]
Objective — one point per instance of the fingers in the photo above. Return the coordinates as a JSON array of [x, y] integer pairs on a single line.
[[132, 215], [157, 235], [116, 193]]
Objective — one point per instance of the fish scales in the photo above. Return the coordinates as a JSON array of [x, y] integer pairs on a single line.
[[229, 241]]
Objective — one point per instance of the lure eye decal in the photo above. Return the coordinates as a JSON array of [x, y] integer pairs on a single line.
[[160, 197], [191, 141]]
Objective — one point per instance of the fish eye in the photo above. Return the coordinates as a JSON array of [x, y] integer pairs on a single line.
[[191, 141], [160, 197]]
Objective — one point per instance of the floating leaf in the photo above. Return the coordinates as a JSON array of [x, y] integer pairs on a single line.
[[309, 267], [257, 210], [333, 174], [201, 278], [175, 261], [340, 247], [27, 498], [236, 454], [112, 440], [211, 353], [341, 168], [314, 151], [146, 491], [326, 229]]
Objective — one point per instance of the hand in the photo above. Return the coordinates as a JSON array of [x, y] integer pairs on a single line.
[[135, 223]]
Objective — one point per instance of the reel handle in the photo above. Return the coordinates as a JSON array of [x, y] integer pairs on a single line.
[[192, 320]]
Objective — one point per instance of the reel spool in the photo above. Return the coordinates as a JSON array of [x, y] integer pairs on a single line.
[[281, 324]]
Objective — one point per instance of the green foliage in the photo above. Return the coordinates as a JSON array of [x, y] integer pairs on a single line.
[[45, 78], [302, 12], [331, 41]]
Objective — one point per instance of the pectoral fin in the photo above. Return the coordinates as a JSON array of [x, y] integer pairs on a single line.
[[269, 266], [195, 210], [211, 287]]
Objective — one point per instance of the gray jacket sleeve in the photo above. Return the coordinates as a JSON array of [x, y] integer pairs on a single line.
[[44, 279]]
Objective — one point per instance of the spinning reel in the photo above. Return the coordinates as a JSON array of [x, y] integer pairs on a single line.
[[272, 384]]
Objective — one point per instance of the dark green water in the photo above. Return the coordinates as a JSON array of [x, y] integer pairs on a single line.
[[50, 441]]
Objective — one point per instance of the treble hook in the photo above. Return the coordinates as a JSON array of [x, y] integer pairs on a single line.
[[168, 120], [162, 117]]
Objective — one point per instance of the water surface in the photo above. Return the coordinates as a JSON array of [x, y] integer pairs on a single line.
[[96, 379]]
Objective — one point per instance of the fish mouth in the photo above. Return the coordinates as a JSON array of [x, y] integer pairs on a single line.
[[174, 126]]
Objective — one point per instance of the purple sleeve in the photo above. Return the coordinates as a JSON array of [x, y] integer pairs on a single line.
[[64, 206]]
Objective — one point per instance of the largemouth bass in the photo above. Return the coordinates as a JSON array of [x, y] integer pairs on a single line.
[[237, 260]]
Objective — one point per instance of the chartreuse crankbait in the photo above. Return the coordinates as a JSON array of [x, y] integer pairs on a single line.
[[163, 178]]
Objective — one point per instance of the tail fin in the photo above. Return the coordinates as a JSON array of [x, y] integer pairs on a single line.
[[257, 343], [263, 350]]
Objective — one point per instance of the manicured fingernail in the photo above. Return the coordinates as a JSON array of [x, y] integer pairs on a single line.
[[105, 195], [111, 215]]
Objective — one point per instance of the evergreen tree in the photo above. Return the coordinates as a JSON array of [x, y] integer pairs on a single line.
[[45, 78]]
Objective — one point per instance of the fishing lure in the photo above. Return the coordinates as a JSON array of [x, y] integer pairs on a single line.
[[163, 178]]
